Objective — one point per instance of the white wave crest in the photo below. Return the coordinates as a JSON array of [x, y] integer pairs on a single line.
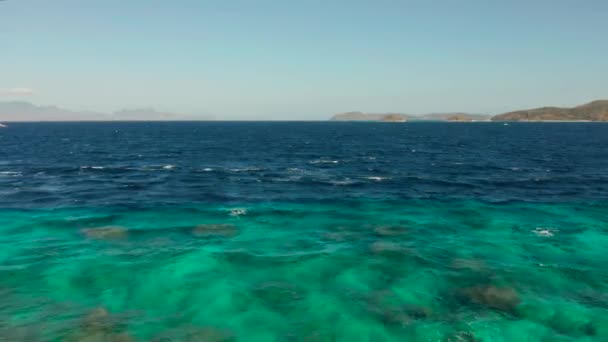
[[324, 161], [545, 232], [238, 212], [376, 178], [10, 173], [247, 169]]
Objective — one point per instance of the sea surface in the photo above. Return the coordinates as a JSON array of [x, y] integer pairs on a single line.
[[304, 231]]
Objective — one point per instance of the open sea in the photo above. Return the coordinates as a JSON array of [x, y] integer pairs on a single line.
[[308, 231]]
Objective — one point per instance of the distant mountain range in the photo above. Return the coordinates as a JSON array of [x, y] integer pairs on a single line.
[[25, 111], [593, 111], [399, 117]]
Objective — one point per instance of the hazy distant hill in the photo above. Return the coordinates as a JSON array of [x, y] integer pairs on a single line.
[[594, 111], [452, 116], [25, 111], [147, 114], [359, 116]]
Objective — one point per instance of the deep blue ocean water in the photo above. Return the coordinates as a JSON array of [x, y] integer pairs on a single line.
[[303, 231], [140, 164]]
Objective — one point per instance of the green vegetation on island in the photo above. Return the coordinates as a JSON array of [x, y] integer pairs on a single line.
[[593, 111]]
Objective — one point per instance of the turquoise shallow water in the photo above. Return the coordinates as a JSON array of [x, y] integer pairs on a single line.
[[403, 270]]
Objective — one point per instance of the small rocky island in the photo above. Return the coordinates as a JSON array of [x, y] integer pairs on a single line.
[[460, 118], [394, 118], [593, 111], [398, 117], [359, 116]]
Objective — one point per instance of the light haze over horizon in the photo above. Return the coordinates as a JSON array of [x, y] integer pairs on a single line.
[[303, 60]]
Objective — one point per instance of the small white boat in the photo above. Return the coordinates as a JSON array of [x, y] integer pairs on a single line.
[[3, 126]]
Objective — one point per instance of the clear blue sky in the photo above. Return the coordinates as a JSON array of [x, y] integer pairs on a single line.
[[304, 59]]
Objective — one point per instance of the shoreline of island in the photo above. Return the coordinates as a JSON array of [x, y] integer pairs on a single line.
[[596, 111]]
